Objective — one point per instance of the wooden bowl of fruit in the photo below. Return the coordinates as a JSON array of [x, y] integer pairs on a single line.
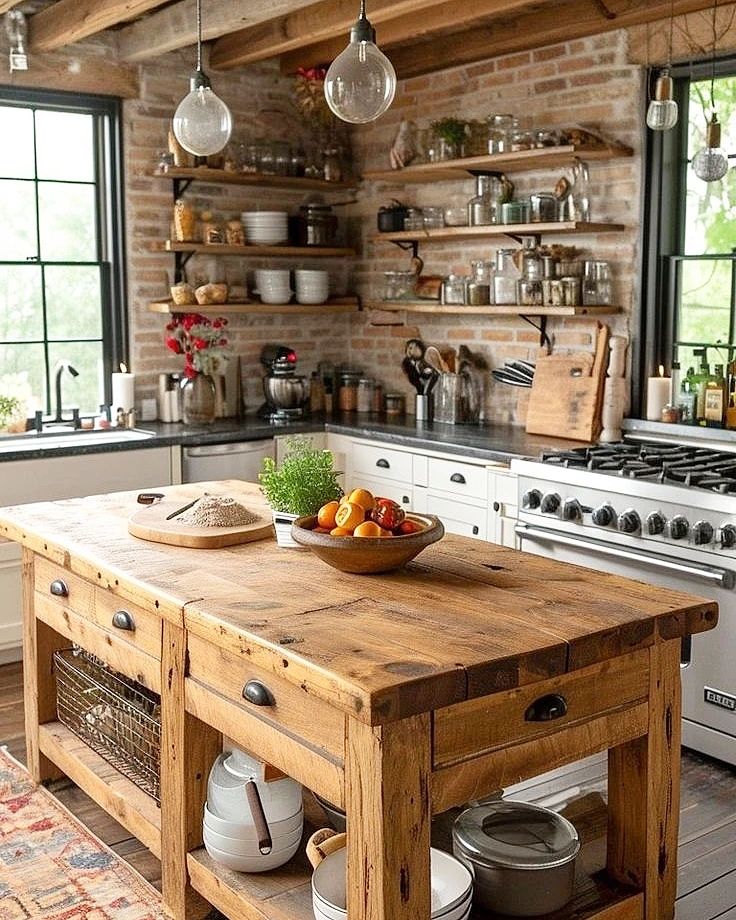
[[365, 535]]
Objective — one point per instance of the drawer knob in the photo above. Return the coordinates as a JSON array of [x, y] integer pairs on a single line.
[[497, 506], [258, 694], [546, 708], [476, 530], [59, 588], [459, 478], [121, 619], [405, 500], [384, 464]]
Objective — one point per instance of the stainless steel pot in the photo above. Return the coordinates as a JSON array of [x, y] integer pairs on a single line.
[[285, 392], [522, 856]]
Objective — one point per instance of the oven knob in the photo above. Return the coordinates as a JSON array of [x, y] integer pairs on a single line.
[[702, 533], [572, 510], [656, 523], [629, 521], [550, 503], [728, 536], [679, 527], [603, 515], [531, 499]]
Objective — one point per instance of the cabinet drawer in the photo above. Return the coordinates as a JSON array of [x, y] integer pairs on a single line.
[[380, 462], [462, 479], [285, 706], [458, 517], [481, 726], [400, 493], [127, 622]]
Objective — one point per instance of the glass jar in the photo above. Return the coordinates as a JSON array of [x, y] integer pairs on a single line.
[[453, 290], [395, 404], [433, 218], [347, 394], [499, 133], [481, 270], [505, 277], [185, 222], [597, 283], [365, 394], [377, 400], [399, 285], [414, 219], [198, 400], [572, 290], [297, 162], [316, 225], [553, 294], [483, 208], [546, 138], [542, 208], [531, 263], [332, 164], [476, 142], [477, 293], [281, 158], [515, 212], [521, 139], [529, 293]]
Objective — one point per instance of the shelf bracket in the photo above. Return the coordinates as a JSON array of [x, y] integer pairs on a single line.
[[180, 186], [180, 263], [408, 246], [525, 236], [541, 327]]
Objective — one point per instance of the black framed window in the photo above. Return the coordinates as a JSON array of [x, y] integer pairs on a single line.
[[62, 284], [689, 278]]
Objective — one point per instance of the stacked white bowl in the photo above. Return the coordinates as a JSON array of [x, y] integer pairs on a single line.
[[452, 887], [312, 285], [230, 835], [266, 228], [273, 285]]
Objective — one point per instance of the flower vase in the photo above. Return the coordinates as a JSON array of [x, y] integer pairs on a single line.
[[198, 402]]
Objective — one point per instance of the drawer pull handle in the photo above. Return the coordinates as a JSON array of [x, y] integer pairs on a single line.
[[384, 464], [497, 506], [405, 500], [459, 478], [546, 708], [476, 530], [59, 588], [121, 619], [258, 694]]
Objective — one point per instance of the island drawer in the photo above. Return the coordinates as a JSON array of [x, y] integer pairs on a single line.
[[489, 723], [381, 463], [273, 699], [128, 622], [461, 479]]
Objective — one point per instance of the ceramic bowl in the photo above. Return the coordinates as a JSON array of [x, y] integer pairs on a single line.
[[240, 847], [227, 799], [368, 555], [242, 831], [252, 863], [335, 816]]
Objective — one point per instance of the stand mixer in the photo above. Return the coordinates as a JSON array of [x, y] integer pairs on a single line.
[[286, 392]]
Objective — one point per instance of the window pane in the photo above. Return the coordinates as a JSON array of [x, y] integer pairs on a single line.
[[27, 360], [65, 146], [67, 219], [16, 158], [705, 312], [73, 305], [21, 308], [18, 225], [86, 390]]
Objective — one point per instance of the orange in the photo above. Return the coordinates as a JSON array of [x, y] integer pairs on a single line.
[[340, 532], [363, 498], [326, 515], [367, 529], [349, 515]]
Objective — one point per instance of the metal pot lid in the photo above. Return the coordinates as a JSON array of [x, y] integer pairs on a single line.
[[515, 835]]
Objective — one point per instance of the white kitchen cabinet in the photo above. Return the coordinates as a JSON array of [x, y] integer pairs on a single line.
[[503, 510], [387, 488], [461, 518]]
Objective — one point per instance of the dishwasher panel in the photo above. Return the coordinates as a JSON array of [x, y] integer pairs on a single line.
[[236, 460]]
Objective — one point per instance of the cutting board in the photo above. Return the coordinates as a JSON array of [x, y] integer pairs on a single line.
[[149, 523], [567, 393]]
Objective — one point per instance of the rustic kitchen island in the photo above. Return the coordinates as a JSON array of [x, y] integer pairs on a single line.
[[395, 697]]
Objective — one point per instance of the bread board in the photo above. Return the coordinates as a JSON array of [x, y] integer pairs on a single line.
[[149, 523]]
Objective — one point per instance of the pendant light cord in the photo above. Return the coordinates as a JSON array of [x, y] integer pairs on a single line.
[[669, 42], [362, 10], [713, 63], [199, 34]]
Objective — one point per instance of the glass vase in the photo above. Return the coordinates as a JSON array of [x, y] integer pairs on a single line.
[[198, 400]]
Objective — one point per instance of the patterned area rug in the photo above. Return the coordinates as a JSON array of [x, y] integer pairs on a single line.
[[53, 868]]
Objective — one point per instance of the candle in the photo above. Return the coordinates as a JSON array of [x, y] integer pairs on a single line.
[[658, 395], [123, 390]]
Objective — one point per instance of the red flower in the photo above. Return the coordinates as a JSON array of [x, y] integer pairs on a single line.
[[202, 343], [174, 345], [189, 320], [189, 372], [217, 324]]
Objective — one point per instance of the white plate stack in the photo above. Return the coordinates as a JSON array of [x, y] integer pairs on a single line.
[[312, 285], [273, 285], [266, 228]]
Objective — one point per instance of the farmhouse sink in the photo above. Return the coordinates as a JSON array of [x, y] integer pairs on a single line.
[[71, 438]]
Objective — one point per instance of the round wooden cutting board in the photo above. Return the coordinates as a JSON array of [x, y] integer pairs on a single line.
[[149, 523]]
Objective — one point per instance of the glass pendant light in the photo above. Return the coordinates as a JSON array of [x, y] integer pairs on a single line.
[[361, 81], [662, 111], [202, 122], [711, 162]]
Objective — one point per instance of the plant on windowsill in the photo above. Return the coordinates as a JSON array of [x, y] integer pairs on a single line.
[[12, 416], [303, 482]]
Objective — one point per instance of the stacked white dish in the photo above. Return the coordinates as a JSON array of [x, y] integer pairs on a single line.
[[273, 285], [312, 285], [452, 887], [231, 828], [266, 228]]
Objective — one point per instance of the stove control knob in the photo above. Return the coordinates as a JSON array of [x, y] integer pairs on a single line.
[[702, 533], [679, 527], [572, 510], [629, 521], [531, 499], [603, 515], [728, 536], [656, 523], [550, 503]]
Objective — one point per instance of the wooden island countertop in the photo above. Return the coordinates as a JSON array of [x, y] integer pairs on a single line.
[[396, 695]]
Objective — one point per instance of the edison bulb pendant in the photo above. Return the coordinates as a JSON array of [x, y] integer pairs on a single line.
[[711, 162], [360, 83], [202, 122]]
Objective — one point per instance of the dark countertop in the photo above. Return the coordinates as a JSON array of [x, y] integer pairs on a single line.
[[485, 442]]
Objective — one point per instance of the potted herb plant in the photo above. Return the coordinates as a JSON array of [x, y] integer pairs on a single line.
[[450, 134], [303, 482]]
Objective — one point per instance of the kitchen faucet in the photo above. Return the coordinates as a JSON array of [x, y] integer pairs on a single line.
[[60, 368]]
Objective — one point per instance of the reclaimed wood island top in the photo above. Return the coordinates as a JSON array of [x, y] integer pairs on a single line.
[[394, 696]]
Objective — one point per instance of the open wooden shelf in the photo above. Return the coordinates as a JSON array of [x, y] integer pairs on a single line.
[[222, 249], [451, 234], [334, 305], [539, 158], [120, 797], [227, 177], [433, 306]]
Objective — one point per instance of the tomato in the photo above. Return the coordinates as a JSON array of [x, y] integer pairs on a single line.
[[406, 527], [387, 513]]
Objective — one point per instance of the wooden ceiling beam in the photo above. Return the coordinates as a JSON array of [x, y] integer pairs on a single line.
[[555, 22], [326, 20], [68, 21], [6, 5]]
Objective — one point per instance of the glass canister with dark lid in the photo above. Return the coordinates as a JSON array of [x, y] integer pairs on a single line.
[[315, 224]]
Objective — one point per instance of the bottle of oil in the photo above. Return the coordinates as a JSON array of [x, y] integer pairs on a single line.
[[686, 398], [731, 407], [714, 406], [699, 381]]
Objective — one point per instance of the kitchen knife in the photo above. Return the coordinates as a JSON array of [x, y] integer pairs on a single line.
[[182, 509]]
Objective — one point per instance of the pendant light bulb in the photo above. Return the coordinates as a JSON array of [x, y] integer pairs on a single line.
[[361, 82], [711, 162], [662, 111]]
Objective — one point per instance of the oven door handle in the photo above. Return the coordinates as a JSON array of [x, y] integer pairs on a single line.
[[725, 578]]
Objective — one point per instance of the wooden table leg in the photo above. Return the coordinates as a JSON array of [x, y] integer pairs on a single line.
[[644, 792], [387, 795], [188, 749]]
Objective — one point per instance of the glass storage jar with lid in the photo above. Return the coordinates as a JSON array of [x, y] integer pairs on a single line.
[[483, 207], [316, 224], [479, 289], [499, 133], [399, 285], [505, 277], [453, 290]]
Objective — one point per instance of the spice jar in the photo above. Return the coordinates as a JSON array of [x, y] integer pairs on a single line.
[[365, 394], [670, 414], [377, 400], [394, 404], [347, 394]]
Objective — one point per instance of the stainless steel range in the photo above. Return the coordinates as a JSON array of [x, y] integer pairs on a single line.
[[662, 513]]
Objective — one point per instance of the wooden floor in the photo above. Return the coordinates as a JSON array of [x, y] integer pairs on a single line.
[[707, 853]]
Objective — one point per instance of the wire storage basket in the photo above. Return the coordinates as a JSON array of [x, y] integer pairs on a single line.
[[117, 717]]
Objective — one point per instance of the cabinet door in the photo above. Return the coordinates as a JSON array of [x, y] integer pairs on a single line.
[[459, 518], [386, 488], [503, 506], [11, 609]]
